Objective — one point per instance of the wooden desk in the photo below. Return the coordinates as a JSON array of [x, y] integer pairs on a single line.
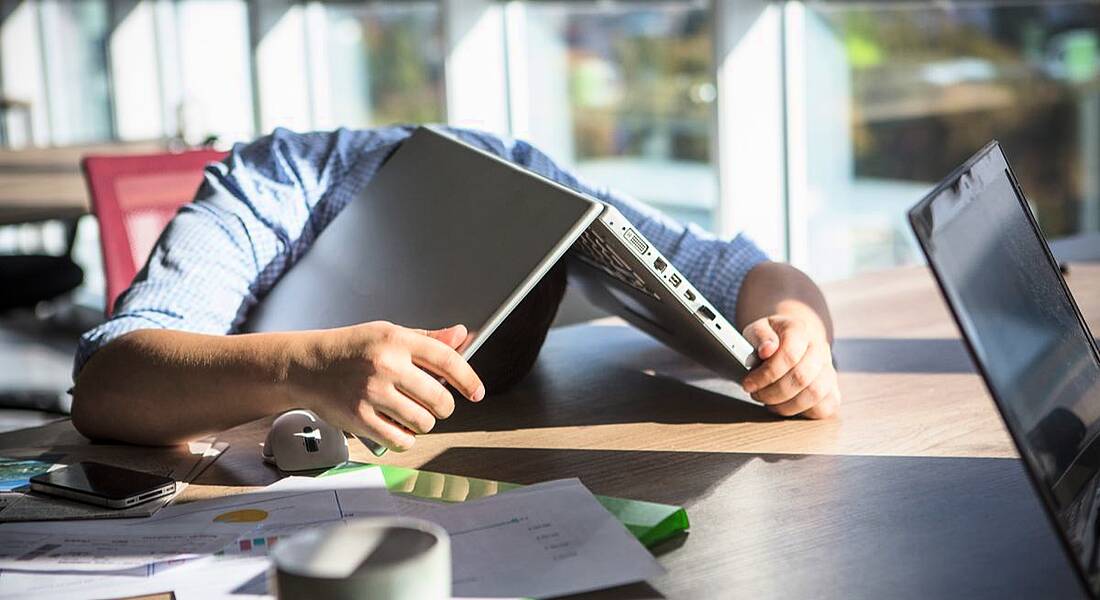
[[39, 184], [913, 491]]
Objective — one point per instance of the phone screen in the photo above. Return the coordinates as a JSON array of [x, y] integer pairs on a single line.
[[110, 482]]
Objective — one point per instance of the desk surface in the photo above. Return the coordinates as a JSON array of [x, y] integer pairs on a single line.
[[911, 491], [46, 183]]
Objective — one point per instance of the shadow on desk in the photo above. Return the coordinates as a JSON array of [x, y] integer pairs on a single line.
[[555, 395], [902, 355], [598, 375], [794, 526]]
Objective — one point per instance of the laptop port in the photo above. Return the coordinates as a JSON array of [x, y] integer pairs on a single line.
[[636, 241], [690, 295], [660, 264], [706, 313], [675, 280]]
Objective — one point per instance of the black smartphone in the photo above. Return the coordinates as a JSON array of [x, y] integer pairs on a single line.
[[103, 485]]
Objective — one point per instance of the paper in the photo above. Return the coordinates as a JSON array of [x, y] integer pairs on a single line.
[[204, 579], [98, 550], [543, 540], [208, 450], [357, 494], [548, 539], [215, 527], [366, 477]]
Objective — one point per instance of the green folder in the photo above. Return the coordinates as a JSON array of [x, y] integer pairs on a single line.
[[650, 522]]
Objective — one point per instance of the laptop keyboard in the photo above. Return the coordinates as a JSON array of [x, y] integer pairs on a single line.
[[593, 250]]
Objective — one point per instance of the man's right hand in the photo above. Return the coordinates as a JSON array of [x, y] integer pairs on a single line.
[[383, 381]]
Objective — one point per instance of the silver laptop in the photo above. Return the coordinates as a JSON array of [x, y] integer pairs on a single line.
[[620, 271], [439, 236], [446, 233]]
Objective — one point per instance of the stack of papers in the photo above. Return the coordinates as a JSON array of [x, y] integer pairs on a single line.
[[549, 539]]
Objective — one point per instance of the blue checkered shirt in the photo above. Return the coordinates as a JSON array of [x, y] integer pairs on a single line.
[[260, 210]]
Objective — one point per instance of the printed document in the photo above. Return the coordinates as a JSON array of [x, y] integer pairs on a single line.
[[543, 540]]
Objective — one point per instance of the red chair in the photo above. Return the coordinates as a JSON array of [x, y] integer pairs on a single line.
[[134, 197]]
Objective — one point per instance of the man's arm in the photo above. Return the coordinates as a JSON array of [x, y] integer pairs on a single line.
[[162, 369], [784, 315], [158, 386]]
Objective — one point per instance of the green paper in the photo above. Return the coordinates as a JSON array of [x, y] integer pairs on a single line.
[[650, 522]]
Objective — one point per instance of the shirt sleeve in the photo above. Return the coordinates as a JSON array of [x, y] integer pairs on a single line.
[[716, 267], [252, 216]]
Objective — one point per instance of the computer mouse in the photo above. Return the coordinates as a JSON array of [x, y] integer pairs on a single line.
[[300, 441]]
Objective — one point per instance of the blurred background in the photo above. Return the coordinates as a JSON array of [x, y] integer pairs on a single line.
[[809, 125]]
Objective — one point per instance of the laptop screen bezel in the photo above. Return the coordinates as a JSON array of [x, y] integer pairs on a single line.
[[961, 187]]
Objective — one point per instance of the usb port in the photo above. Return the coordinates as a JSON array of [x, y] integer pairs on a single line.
[[675, 279], [636, 241], [660, 264], [690, 295], [706, 313]]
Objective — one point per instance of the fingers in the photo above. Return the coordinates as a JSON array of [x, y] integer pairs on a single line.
[[826, 408], [427, 391], [439, 358], [454, 336], [793, 343], [812, 397], [384, 431], [404, 411], [763, 337], [798, 378]]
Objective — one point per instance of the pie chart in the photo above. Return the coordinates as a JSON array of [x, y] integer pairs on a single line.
[[246, 515]]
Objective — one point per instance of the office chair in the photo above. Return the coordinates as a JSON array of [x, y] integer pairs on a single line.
[[134, 197]]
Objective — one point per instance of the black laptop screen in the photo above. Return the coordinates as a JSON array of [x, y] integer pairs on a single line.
[[1025, 332]]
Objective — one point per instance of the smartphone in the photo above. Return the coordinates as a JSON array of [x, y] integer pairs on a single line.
[[103, 485]]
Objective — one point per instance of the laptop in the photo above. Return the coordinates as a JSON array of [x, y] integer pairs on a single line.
[[1026, 336], [447, 233]]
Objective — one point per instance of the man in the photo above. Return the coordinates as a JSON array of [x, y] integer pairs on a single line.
[[162, 370]]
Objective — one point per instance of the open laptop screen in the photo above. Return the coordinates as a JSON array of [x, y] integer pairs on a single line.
[[1024, 331]]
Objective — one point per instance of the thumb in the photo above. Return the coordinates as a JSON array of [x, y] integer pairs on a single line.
[[763, 337], [453, 336]]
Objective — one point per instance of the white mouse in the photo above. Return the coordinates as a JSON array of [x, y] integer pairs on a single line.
[[300, 441]]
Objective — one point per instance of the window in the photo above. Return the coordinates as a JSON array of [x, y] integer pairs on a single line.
[[385, 63], [78, 88], [624, 93], [833, 117], [213, 37], [893, 98], [134, 55]]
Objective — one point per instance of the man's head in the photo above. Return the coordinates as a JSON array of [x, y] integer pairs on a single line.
[[508, 354]]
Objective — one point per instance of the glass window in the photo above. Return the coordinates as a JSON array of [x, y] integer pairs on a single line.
[[385, 63], [75, 50], [624, 93], [215, 69], [896, 97], [138, 106]]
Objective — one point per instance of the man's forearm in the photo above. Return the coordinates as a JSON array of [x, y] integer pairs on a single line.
[[773, 288], [164, 387]]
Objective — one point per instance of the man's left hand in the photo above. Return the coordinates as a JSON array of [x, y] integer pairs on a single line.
[[796, 376]]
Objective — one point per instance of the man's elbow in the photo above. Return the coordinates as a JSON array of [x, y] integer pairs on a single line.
[[94, 411], [85, 412]]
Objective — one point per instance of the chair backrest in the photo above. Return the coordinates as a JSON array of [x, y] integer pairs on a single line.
[[134, 197]]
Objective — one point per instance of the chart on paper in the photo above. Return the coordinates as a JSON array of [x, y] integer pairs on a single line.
[[542, 540]]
